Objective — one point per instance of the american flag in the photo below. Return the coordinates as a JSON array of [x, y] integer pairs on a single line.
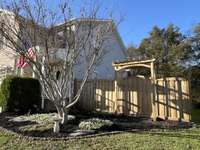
[[30, 53], [21, 62]]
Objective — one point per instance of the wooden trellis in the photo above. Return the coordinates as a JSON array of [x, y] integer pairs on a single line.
[[131, 65], [166, 98]]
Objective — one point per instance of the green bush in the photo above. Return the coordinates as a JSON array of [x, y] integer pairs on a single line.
[[94, 124], [20, 94]]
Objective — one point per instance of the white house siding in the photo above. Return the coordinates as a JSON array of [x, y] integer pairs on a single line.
[[114, 51], [113, 48], [6, 59], [7, 55]]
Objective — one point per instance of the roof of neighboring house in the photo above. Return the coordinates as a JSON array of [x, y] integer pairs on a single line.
[[76, 20]]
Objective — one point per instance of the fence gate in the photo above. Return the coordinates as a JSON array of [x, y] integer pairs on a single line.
[[166, 98], [134, 96]]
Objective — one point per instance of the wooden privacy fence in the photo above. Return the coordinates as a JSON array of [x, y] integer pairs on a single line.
[[167, 98], [172, 99]]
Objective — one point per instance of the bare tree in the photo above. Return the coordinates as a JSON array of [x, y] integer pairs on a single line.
[[63, 46]]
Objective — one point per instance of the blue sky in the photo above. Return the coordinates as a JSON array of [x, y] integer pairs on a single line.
[[142, 15]]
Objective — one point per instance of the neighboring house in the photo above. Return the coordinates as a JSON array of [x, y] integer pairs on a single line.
[[114, 47], [7, 56]]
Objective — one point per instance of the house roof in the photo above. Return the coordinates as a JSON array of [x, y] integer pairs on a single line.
[[75, 20], [78, 20]]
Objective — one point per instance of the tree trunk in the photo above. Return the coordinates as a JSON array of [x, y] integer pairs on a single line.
[[64, 116]]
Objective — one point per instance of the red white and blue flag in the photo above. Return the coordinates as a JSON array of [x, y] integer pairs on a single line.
[[22, 62]]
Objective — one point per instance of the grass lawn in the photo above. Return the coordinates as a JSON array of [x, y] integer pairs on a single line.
[[4, 139], [185, 139], [153, 139]]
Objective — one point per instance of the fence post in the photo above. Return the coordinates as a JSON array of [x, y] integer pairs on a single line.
[[153, 93], [116, 88], [180, 99], [166, 92]]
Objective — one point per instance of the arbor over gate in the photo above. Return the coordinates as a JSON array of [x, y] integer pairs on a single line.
[[132, 94]]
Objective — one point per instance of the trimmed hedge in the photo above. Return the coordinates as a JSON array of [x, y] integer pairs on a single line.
[[19, 94]]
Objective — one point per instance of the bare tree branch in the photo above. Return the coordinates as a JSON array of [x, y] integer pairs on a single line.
[[57, 47]]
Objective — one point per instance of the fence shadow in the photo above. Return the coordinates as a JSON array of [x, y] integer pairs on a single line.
[[136, 95]]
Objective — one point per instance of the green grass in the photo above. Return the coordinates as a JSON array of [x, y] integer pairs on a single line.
[[155, 139], [182, 140], [4, 139], [38, 118]]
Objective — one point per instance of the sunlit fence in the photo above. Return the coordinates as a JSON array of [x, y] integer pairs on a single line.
[[166, 98]]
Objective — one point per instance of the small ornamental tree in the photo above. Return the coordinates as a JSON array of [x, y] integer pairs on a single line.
[[79, 41]]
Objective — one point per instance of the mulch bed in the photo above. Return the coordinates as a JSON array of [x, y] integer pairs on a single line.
[[121, 125]]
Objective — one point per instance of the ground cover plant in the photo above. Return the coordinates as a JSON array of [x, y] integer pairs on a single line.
[[94, 123], [34, 132], [57, 50], [156, 139]]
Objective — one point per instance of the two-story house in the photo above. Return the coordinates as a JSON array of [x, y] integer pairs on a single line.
[[113, 46]]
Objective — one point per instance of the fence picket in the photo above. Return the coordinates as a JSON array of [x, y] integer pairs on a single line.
[[134, 97]]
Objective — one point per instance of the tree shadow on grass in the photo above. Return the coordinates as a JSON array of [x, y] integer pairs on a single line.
[[177, 134], [20, 126], [29, 128], [35, 129]]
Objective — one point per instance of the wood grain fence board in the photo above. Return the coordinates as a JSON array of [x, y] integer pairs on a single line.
[[133, 96]]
